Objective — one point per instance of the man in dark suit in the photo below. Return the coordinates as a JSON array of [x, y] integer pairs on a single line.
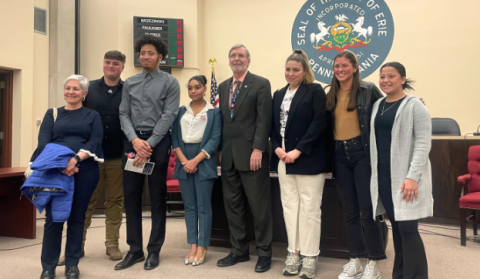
[[246, 105]]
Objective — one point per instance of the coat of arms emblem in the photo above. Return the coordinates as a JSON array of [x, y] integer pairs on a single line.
[[341, 35], [323, 28]]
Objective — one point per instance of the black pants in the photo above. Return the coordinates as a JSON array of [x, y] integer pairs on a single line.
[[352, 175], [133, 189], [254, 186], [85, 183], [410, 258]]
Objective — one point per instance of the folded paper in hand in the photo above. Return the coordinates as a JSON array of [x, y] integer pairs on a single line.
[[146, 168]]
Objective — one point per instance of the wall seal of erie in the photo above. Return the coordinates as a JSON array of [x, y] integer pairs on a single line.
[[322, 28]]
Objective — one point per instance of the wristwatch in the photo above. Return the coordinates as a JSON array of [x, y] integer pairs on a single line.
[[77, 158]]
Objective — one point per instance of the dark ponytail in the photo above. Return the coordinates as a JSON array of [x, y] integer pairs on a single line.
[[407, 86], [200, 78]]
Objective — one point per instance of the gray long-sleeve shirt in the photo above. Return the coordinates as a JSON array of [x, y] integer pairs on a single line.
[[150, 102]]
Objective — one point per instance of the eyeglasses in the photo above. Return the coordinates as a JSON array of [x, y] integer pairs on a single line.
[[233, 56]]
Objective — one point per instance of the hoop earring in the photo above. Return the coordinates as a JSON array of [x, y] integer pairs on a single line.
[[83, 98]]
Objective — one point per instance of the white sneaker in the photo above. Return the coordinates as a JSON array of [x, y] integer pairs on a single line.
[[292, 264], [352, 270], [309, 264], [371, 271]]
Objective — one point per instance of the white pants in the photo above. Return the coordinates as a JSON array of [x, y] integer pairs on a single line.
[[301, 201]]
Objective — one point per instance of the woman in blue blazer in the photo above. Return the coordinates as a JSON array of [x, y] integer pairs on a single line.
[[300, 142], [196, 135]]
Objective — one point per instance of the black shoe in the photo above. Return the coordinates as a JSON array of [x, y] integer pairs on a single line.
[[72, 272], [232, 259], [263, 264], [152, 261], [129, 260], [47, 274]]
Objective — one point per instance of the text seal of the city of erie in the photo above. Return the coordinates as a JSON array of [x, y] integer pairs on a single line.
[[323, 28]]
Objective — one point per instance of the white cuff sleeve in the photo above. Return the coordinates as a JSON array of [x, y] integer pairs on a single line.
[[206, 153], [100, 160]]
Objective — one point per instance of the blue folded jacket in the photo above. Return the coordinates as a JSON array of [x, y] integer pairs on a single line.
[[47, 184]]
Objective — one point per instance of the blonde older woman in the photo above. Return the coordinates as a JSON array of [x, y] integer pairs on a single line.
[[79, 129]]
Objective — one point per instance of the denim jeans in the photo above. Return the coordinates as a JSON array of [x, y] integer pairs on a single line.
[[352, 175]]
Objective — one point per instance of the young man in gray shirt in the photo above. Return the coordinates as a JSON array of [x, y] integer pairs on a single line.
[[150, 103]]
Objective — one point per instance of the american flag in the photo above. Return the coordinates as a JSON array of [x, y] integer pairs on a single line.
[[214, 91]]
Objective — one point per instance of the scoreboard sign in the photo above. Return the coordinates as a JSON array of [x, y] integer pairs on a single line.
[[170, 30]]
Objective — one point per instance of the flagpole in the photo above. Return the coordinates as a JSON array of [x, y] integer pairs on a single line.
[[213, 89]]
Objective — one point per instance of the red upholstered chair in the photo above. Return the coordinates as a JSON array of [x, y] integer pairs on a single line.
[[470, 200], [172, 184]]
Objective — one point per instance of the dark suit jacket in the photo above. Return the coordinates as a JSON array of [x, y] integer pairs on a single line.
[[249, 127], [306, 130], [210, 141]]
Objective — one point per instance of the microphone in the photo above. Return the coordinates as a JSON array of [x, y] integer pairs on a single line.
[[477, 133]]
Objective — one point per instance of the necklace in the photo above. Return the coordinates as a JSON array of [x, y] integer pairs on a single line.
[[385, 110]]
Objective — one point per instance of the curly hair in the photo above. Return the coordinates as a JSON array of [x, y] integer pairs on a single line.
[[157, 42]]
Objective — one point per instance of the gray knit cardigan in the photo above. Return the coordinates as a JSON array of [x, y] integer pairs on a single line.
[[411, 143]]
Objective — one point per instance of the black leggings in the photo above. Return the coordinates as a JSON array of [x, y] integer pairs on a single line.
[[410, 258]]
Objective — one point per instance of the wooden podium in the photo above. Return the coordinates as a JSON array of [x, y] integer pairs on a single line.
[[333, 242]]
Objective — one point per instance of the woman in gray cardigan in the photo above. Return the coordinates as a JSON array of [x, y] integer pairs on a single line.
[[401, 137]]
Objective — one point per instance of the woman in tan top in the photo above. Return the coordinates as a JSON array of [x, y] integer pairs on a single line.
[[350, 100]]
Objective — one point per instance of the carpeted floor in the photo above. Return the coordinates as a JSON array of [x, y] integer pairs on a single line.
[[446, 258]]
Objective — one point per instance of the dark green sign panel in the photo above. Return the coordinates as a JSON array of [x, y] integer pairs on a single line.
[[170, 30]]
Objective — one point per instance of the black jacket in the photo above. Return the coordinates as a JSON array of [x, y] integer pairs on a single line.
[[367, 95], [249, 127], [306, 130], [107, 105]]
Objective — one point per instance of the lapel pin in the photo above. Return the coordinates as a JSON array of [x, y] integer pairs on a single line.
[[246, 86]]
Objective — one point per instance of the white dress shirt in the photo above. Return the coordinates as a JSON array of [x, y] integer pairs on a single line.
[[193, 126]]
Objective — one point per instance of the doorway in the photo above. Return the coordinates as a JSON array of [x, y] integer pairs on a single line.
[[6, 104]]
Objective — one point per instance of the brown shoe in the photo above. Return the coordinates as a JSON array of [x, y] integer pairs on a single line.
[[114, 253], [62, 259]]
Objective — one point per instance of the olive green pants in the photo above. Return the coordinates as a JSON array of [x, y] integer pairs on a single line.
[[111, 177]]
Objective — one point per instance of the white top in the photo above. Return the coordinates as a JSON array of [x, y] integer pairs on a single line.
[[193, 126], [285, 108]]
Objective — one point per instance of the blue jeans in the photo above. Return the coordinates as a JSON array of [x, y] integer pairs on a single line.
[[197, 195], [352, 176]]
